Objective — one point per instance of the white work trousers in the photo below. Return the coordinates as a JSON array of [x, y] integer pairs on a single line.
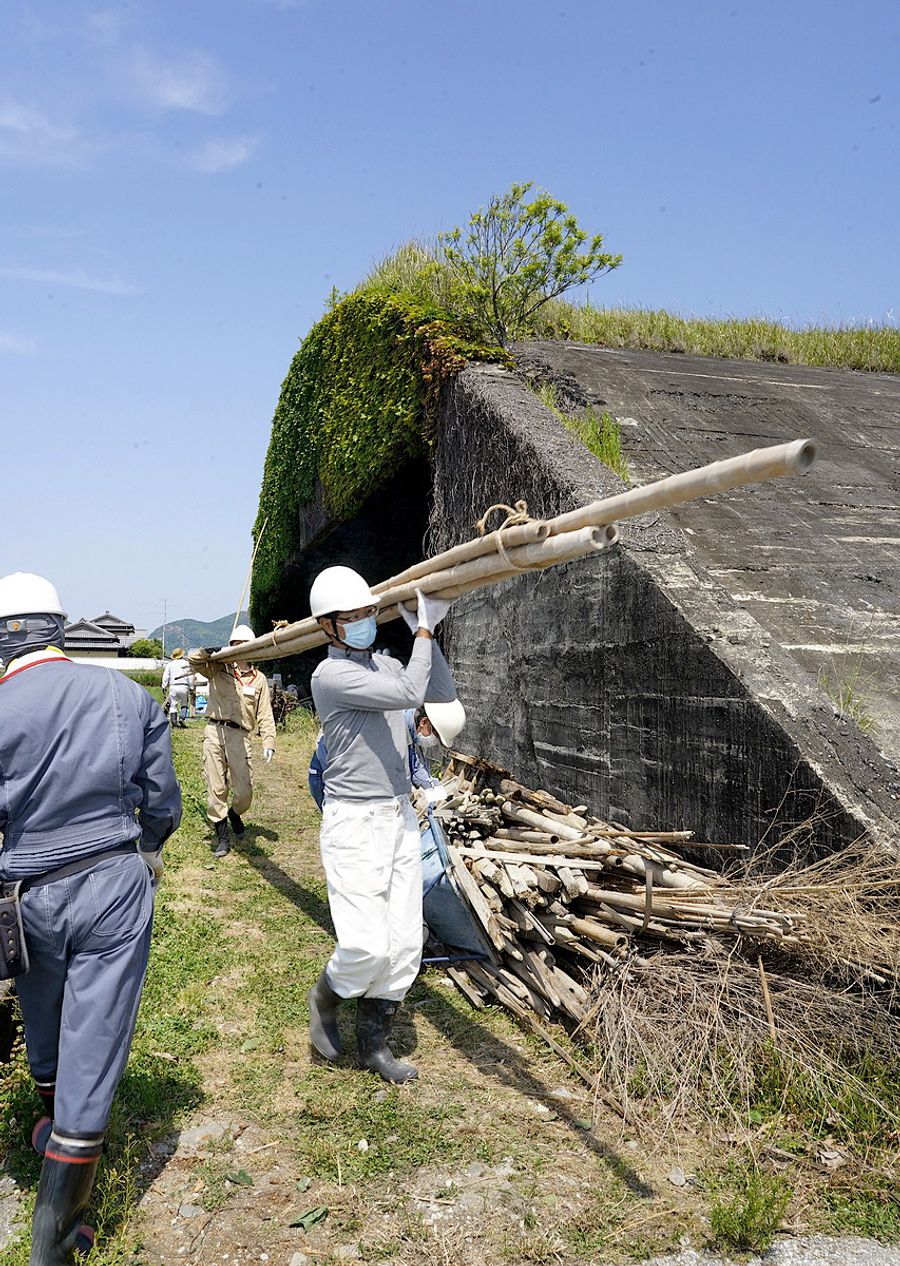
[[372, 855], [178, 701]]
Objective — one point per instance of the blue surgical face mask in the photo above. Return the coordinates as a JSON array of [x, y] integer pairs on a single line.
[[360, 634], [428, 740]]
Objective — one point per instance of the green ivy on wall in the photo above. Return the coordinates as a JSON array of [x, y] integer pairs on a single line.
[[355, 406]]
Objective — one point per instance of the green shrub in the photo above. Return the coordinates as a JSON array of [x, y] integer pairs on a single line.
[[146, 648], [748, 1210], [514, 257]]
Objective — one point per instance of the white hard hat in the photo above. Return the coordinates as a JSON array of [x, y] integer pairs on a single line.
[[243, 633], [447, 719], [23, 593], [339, 589]]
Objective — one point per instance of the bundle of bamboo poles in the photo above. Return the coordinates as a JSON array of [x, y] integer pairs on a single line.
[[556, 890], [538, 544]]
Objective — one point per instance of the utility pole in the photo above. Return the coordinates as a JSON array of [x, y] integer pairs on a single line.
[[164, 630]]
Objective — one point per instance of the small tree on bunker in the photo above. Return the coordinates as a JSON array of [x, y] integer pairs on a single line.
[[514, 256]]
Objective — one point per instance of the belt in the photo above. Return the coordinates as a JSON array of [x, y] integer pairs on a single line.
[[72, 868], [232, 725]]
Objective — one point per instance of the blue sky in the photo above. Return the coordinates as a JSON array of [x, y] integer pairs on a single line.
[[182, 184]]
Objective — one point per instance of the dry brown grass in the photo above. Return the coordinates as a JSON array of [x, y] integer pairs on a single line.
[[690, 1037], [849, 904]]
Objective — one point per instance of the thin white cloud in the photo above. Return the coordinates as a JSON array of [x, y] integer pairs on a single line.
[[16, 345], [194, 82], [105, 26], [223, 154], [28, 138], [74, 279]]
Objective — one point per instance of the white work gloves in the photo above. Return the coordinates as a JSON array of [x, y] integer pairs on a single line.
[[434, 795], [269, 755], [429, 613], [152, 858]]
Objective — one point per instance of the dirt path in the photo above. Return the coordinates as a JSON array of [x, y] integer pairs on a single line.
[[494, 1155]]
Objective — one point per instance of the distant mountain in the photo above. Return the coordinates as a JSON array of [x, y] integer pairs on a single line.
[[193, 633]]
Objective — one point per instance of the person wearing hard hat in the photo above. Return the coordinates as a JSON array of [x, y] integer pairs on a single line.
[[239, 706], [438, 725], [88, 796], [176, 682], [370, 835]]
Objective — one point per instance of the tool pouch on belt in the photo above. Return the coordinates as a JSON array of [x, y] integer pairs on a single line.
[[13, 950]]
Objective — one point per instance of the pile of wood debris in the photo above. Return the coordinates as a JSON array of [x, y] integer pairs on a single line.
[[555, 890]]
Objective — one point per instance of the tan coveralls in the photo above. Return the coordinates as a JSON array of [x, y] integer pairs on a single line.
[[242, 699]]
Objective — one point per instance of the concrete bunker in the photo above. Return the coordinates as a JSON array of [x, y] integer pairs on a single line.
[[632, 681]]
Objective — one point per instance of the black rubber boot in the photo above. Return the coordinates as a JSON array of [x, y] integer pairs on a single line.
[[323, 1030], [47, 1092], [237, 824], [374, 1018], [42, 1127], [223, 844], [67, 1176], [40, 1135]]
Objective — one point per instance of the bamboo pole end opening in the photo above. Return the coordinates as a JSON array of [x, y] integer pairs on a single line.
[[804, 456]]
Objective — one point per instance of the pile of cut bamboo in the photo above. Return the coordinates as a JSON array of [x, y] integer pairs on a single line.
[[537, 544], [555, 889]]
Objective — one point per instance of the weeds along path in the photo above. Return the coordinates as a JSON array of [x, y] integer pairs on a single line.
[[490, 1157]]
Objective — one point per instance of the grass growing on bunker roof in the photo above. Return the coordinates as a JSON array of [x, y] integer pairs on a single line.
[[872, 345], [600, 433]]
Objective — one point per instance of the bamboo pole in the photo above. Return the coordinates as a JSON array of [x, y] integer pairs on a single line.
[[450, 582], [772, 462], [444, 573]]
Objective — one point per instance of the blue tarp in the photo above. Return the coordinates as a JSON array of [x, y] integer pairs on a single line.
[[446, 913]]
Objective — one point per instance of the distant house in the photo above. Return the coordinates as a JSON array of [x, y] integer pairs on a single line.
[[124, 631], [106, 635]]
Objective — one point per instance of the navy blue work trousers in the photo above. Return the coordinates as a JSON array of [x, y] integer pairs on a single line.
[[88, 938]]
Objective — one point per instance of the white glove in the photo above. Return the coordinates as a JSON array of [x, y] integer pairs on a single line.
[[410, 619], [434, 795], [431, 611], [268, 755], [153, 860]]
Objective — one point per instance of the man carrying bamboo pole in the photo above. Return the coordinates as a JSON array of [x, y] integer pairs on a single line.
[[239, 706], [370, 843]]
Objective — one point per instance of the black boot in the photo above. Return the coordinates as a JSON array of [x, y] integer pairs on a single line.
[[47, 1092], [237, 824], [374, 1018], [42, 1127], [67, 1176], [222, 842], [40, 1135], [323, 1030]]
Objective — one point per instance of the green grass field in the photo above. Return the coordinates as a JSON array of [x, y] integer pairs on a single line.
[[496, 1156]]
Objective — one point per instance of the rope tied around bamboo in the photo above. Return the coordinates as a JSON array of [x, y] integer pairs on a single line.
[[516, 516]]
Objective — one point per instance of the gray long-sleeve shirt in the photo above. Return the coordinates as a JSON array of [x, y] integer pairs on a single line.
[[360, 699]]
